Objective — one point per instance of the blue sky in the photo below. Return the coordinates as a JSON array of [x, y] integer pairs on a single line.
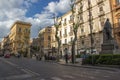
[[38, 7], [38, 12]]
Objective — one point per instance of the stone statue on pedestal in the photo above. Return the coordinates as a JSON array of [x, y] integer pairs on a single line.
[[109, 45]]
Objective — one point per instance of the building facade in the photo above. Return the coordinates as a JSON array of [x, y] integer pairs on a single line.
[[20, 38], [5, 45], [35, 46], [115, 6], [65, 32], [45, 41], [92, 15]]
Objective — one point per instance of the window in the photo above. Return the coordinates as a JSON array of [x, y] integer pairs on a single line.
[[26, 30], [83, 42], [49, 38], [117, 2], [48, 45], [65, 20], [71, 17], [71, 39], [82, 30], [49, 30], [60, 33], [65, 41], [101, 8], [65, 31], [71, 28], [118, 22], [19, 30]]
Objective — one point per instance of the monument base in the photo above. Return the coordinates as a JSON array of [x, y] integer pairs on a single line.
[[109, 47]]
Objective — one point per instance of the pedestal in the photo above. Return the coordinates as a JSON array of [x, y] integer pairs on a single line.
[[109, 47]]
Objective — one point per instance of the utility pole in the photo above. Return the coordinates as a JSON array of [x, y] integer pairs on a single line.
[[91, 28]]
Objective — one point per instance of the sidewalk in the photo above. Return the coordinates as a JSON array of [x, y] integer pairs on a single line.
[[101, 67]]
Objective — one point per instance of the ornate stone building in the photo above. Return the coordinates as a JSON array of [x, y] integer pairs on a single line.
[[20, 38], [92, 15], [45, 40], [115, 6]]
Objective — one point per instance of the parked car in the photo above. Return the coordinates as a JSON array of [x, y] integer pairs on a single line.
[[1, 54], [18, 55], [7, 55]]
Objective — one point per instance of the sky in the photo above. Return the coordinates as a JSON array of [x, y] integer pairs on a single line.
[[37, 12]]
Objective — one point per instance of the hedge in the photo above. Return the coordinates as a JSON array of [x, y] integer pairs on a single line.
[[106, 59]]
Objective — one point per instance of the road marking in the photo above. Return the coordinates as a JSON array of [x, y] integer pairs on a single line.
[[42, 79], [30, 72], [106, 76], [68, 76], [56, 78], [91, 77], [24, 70], [18, 77], [8, 62]]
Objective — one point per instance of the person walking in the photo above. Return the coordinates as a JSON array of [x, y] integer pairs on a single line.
[[66, 55]]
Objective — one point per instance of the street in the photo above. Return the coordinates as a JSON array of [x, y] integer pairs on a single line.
[[31, 69]]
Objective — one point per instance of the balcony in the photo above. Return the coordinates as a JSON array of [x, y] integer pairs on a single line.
[[81, 21], [102, 13], [83, 34], [77, 1], [64, 24], [99, 1], [65, 35], [70, 33], [117, 7], [90, 18], [60, 36], [71, 21], [89, 6], [80, 10], [117, 27]]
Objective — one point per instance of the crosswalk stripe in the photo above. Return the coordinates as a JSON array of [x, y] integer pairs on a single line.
[[18, 77], [68, 76], [42, 79], [56, 78]]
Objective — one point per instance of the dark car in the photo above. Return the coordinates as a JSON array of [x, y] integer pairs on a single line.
[[1, 54], [7, 55], [17, 55]]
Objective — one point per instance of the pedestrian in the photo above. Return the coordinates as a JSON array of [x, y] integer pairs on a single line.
[[66, 58], [66, 55]]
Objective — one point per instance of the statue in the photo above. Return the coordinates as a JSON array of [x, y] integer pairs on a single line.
[[107, 31], [109, 45]]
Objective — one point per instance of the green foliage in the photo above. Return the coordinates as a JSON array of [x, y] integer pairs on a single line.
[[105, 59], [78, 56]]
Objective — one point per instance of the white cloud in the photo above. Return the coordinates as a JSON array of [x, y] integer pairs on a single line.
[[12, 10], [58, 7]]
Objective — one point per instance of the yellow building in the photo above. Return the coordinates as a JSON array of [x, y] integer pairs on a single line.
[[45, 40], [20, 38], [5, 45], [115, 5]]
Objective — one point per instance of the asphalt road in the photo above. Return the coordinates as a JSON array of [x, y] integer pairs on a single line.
[[29, 69]]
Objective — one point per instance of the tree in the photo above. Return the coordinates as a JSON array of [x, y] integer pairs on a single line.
[[57, 25], [75, 25]]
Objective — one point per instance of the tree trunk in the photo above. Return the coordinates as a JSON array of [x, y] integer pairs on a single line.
[[73, 48]]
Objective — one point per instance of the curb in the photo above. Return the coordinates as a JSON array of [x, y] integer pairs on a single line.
[[91, 67]]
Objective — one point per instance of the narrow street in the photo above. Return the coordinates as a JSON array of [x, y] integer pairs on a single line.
[[30, 69]]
